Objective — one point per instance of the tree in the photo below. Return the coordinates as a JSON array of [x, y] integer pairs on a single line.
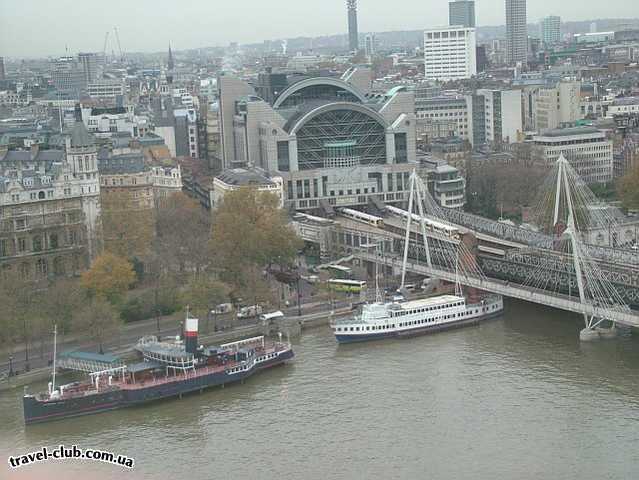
[[183, 231], [108, 278], [128, 222], [99, 318], [60, 301], [17, 320], [203, 293], [628, 189], [251, 230]]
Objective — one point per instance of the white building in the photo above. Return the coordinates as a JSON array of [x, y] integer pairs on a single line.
[[106, 89], [550, 28], [623, 106], [448, 110], [586, 148], [555, 106], [449, 53], [235, 178], [104, 122], [499, 119]]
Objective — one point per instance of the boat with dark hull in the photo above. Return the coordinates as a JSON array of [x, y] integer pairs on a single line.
[[168, 369]]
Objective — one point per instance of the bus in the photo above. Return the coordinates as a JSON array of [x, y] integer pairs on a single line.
[[350, 286]]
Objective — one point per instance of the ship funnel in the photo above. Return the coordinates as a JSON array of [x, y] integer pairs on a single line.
[[190, 335]]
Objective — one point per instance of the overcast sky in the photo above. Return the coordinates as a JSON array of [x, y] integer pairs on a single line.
[[44, 27]]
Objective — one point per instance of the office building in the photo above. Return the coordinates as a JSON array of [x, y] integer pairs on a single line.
[[497, 117], [3, 73], [556, 106], [445, 116], [353, 35], [67, 77], [586, 148], [551, 30], [329, 143], [370, 44], [516, 32], [462, 12], [450, 53], [89, 65]]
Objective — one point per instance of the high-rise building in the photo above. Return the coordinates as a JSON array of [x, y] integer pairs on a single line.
[[88, 64], [461, 12], [449, 53], [353, 36], [67, 76], [497, 117], [516, 32], [370, 44], [551, 30], [2, 72]]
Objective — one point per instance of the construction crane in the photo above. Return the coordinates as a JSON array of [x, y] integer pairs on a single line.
[[106, 37], [117, 36]]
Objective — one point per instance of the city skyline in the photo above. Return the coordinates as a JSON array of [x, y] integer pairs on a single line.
[[199, 25]]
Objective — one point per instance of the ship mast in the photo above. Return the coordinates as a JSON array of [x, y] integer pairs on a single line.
[[378, 293], [55, 352]]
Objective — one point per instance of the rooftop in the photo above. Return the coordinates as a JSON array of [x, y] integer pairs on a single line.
[[244, 177]]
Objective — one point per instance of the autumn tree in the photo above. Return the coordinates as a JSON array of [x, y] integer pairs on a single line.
[[128, 222], [628, 189], [99, 318], [108, 278], [17, 320], [183, 230], [250, 230]]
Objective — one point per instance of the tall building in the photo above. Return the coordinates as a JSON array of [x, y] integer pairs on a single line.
[[450, 53], [353, 35], [370, 44], [497, 116], [551, 30], [516, 32], [67, 76], [3, 74], [89, 65], [461, 12]]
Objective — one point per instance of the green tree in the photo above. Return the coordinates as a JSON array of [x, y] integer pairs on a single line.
[[202, 294], [250, 230], [628, 189], [108, 278], [99, 318]]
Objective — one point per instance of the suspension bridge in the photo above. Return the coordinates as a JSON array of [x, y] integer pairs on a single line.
[[555, 265]]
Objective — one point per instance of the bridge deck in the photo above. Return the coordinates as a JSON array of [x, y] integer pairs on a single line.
[[543, 297]]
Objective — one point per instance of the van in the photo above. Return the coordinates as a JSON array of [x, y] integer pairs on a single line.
[[270, 317]]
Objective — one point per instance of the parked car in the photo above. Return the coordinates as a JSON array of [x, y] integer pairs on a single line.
[[250, 311]]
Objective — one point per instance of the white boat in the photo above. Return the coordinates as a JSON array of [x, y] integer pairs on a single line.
[[415, 317]]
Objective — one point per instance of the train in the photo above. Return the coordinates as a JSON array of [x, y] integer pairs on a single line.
[[432, 225]]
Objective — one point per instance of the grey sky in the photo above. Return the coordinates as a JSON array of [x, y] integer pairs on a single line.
[[43, 27]]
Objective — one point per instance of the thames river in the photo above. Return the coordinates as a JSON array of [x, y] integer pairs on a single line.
[[518, 397]]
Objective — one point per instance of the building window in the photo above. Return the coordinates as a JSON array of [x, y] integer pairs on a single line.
[[283, 161], [41, 195], [21, 224], [289, 190], [37, 243], [41, 267], [53, 240], [4, 247]]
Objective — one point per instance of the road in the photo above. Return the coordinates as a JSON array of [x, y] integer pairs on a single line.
[[129, 334]]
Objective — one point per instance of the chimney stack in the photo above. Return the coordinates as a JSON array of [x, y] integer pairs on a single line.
[[190, 335]]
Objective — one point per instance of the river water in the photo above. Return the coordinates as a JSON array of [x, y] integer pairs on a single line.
[[517, 397]]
